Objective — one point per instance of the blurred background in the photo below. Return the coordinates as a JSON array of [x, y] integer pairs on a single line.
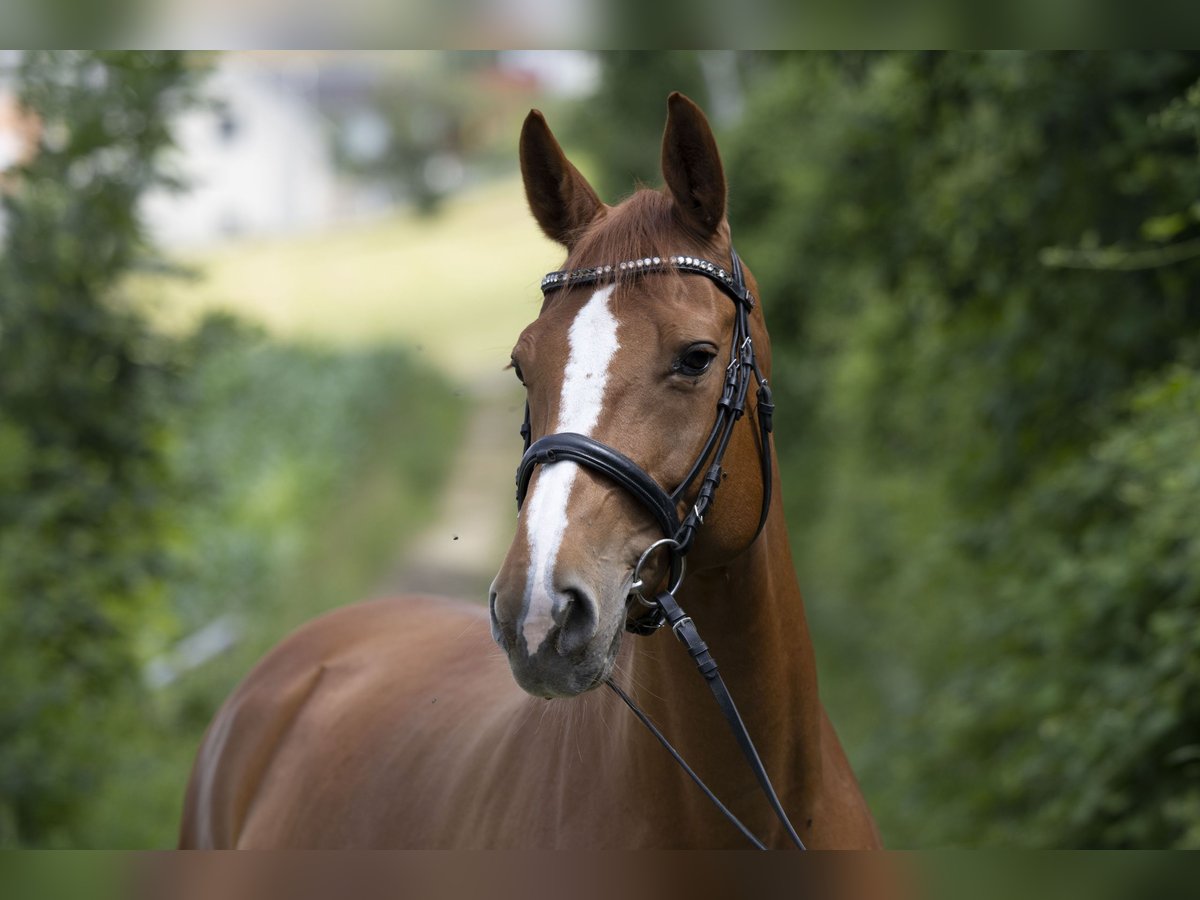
[[255, 307]]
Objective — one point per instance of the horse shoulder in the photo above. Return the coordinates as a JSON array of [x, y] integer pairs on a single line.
[[302, 705]]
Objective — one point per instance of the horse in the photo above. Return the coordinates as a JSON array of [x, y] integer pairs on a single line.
[[397, 723]]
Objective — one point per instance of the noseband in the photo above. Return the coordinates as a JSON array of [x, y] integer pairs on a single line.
[[663, 506], [679, 533]]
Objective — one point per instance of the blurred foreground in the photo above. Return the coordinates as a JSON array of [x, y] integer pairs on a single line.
[[994, 875]]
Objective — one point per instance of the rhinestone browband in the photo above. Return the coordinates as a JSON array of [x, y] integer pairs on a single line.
[[593, 274]]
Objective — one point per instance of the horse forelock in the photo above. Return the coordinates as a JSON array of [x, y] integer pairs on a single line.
[[644, 224]]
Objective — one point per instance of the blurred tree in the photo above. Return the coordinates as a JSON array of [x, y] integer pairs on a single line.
[[972, 263], [1080, 725], [620, 128], [83, 393], [423, 131], [417, 130]]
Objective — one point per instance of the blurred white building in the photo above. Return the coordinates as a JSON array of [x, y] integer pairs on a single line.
[[259, 161]]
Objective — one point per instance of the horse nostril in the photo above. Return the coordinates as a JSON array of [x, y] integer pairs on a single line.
[[576, 620], [498, 634]]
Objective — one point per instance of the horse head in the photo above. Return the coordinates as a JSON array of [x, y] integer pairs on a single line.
[[634, 353]]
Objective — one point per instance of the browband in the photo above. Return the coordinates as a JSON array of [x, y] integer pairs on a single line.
[[732, 283]]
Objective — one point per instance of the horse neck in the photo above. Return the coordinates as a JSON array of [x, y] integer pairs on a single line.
[[751, 614]]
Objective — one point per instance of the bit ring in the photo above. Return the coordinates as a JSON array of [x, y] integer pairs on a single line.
[[639, 583]]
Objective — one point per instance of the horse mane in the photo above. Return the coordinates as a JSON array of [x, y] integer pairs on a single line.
[[642, 225]]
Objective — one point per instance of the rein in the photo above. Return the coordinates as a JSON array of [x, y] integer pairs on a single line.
[[663, 505]]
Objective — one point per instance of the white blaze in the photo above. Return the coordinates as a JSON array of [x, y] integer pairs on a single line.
[[592, 341]]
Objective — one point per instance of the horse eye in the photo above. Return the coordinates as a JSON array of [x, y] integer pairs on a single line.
[[515, 366], [695, 361]]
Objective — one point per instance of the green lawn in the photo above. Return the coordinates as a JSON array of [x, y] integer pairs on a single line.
[[459, 286]]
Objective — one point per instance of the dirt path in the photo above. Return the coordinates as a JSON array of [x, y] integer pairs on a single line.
[[460, 551]]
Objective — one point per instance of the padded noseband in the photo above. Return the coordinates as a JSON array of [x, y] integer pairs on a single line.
[[580, 448]]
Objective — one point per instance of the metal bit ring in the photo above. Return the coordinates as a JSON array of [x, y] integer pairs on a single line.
[[639, 584]]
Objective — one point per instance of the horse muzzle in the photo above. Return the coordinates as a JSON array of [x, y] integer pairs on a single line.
[[558, 643]]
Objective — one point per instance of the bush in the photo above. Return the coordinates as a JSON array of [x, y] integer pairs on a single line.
[[149, 485], [303, 470], [980, 271], [1078, 727], [84, 394], [970, 260]]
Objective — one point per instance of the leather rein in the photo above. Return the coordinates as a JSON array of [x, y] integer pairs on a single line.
[[663, 506]]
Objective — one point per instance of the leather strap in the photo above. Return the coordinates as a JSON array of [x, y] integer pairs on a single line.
[[580, 448], [730, 407], [732, 282], [600, 457], [685, 630], [691, 773]]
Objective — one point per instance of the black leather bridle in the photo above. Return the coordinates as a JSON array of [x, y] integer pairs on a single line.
[[664, 505]]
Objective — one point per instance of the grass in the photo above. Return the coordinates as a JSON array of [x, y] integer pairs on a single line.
[[458, 286]]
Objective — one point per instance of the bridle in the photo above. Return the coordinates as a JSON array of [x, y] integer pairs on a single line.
[[663, 505]]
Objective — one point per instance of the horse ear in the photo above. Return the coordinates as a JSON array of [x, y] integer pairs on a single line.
[[692, 166], [559, 197]]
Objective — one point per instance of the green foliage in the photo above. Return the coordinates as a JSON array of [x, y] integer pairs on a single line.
[[303, 471], [981, 272], [918, 195], [621, 126], [1091, 696], [83, 394], [269, 433], [150, 485], [960, 430]]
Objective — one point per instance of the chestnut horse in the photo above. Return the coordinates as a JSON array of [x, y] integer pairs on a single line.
[[394, 723]]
